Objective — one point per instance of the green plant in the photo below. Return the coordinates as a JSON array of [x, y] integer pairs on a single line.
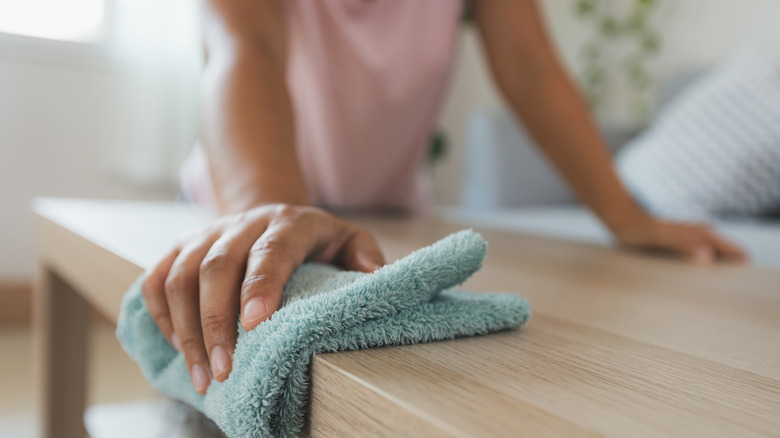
[[437, 147], [630, 31]]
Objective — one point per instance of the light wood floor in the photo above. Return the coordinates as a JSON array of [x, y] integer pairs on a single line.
[[113, 377]]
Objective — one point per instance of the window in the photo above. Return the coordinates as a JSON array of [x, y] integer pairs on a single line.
[[65, 20]]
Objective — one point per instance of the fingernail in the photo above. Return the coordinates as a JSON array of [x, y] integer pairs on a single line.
[[175, 342], [220, 361], [254, 310], [369, 263], [199, 378], [703, 255]]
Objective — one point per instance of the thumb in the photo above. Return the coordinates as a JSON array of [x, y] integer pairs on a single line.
[[361, 253]]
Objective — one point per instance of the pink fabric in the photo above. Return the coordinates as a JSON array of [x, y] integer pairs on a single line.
[[367, 78]]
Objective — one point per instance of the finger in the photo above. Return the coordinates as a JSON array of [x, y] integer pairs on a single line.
[[153, 291], [181, 291], [272, 259], [360, 252], [692, 244], [221, 273], [691, 247], [726, 249], [698, 252], [704, 254]]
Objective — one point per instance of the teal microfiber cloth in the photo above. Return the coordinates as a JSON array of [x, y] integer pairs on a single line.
[[324, 310]]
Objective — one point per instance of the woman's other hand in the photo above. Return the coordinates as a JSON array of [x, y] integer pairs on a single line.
[[695, 242]]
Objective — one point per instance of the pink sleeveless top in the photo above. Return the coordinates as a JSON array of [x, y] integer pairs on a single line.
[[366, 78]]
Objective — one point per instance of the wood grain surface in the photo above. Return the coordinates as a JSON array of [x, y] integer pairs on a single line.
[[620, 344]]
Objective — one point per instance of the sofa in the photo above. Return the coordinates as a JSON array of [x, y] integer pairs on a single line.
[[508, 185]]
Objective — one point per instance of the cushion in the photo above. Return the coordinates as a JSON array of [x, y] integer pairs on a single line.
[[715, 150]]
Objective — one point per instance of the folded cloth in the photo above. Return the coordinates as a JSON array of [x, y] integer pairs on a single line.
[[324, 310]]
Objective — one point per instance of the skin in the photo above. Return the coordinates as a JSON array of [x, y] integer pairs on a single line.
[[535, 84], [238, 265]]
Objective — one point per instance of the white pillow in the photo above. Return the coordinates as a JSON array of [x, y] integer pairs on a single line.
[[715, 150]]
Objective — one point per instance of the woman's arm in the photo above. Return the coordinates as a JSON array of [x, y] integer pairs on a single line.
[[240, 263], [248, 126], [535, 84]]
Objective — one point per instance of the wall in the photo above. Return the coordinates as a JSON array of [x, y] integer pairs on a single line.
[[58, 117], [695, 34], [62, 116]]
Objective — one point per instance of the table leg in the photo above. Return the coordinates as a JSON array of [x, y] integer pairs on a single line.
[[61, 323]]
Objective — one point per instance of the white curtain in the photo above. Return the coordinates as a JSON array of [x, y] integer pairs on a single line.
[[156, 52]]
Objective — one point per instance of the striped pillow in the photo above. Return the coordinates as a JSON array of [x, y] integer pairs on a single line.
[[715, 151]]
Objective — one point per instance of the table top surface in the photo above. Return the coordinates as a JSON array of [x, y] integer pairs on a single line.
[[619, 343]]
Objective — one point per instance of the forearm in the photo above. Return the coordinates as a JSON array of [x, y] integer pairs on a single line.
[[248, 128], [557, 118], [536, 86]]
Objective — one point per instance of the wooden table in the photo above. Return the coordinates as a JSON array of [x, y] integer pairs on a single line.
[[619, 344]]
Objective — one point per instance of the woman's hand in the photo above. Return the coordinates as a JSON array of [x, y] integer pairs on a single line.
[[697, 243], [241, 263]]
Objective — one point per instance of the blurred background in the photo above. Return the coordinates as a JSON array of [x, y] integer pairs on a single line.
[[99, 99]]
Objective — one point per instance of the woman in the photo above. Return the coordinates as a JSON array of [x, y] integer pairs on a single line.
[[331, 104]]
